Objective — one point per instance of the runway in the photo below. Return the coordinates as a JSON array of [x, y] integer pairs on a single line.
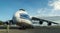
[[35, 30]]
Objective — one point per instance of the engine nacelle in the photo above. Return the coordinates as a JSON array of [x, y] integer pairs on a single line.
[[40, 22], [49, 24]]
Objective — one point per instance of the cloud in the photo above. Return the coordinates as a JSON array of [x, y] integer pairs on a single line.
[[43, 11], [53, 9], [55, 4]]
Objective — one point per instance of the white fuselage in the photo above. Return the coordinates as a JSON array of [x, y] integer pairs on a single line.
[[22, 19]]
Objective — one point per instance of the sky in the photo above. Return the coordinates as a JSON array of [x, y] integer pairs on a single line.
[[33, 7]]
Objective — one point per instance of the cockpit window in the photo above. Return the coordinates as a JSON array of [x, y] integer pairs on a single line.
[[24, 16]]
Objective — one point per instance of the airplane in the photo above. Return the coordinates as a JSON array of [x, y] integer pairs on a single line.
[[22, 19]]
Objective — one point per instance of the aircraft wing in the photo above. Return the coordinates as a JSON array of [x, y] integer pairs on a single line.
[[9, 22], [42, 20]]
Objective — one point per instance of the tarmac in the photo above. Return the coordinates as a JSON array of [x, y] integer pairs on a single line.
[[34, 30]]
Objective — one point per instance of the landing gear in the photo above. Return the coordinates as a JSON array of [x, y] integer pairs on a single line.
[[22, 27], [26, 27]]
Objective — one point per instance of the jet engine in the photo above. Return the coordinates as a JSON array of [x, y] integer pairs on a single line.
[[40, 22], [49, 23]]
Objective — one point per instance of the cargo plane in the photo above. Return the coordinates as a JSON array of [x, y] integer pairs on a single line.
[[21, 18]]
